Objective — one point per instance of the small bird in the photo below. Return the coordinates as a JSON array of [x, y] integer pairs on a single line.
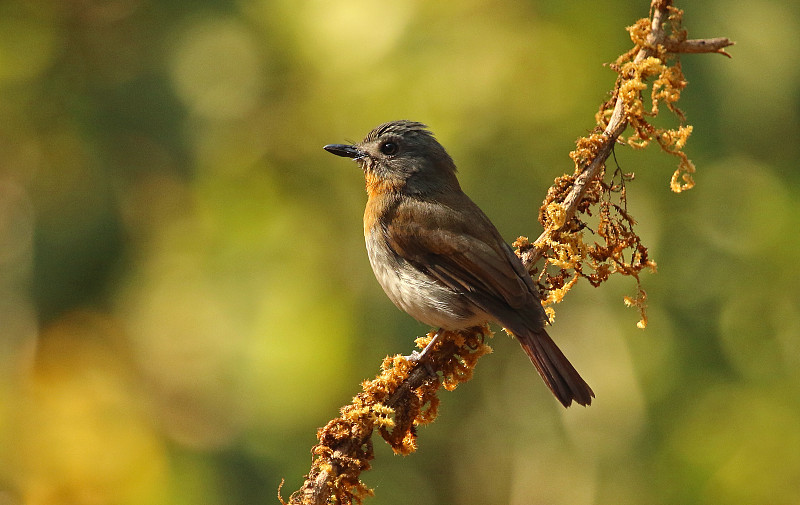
[[439, 258]]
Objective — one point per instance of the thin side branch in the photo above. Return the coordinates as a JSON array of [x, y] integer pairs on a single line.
[[715, 45]]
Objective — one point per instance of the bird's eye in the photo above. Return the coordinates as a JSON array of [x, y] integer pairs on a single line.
[[389, 148]]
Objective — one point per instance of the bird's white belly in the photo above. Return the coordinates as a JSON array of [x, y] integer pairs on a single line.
[[422, 297]]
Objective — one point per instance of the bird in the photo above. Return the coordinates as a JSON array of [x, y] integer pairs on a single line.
[[440, 259]]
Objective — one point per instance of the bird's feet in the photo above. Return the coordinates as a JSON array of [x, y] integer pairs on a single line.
[[422, 356]]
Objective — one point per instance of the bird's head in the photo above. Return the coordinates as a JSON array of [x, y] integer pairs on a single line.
[[401, 157]]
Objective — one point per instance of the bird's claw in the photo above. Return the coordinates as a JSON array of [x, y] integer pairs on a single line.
[[422, 357]]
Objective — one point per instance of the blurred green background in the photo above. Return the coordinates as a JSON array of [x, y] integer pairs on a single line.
[[185, 296]]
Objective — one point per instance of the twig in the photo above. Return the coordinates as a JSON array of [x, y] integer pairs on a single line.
[[715, 45]]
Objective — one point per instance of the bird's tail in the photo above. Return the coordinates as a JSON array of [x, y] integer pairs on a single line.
[[558, 373]]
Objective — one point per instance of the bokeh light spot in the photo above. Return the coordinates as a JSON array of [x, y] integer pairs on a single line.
[[217, 69]]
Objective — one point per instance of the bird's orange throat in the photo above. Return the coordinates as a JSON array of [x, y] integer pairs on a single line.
[[381, 195], [378, 186]]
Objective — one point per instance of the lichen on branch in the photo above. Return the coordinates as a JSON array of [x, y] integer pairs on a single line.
[[394, 403]]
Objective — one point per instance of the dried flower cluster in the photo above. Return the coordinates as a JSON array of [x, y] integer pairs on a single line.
[[666, 88]]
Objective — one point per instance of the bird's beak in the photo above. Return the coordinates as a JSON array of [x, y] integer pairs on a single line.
[[345, 150]]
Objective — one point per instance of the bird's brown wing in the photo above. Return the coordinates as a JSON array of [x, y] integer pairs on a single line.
[[468, 257]]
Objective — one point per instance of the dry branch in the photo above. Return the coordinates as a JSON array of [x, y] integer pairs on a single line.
[[716, 45]]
